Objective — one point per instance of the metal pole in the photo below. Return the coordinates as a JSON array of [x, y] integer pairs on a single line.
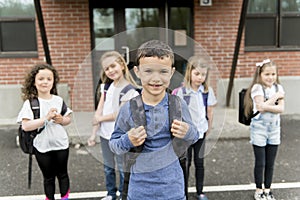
[[236, 50], [39, 14]]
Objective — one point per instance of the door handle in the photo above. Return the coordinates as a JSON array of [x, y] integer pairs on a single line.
[[126, 54]]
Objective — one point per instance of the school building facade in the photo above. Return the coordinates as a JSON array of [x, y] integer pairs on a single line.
[[74, 33]]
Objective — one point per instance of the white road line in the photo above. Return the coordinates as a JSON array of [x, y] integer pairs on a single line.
[[220, 188], [224, 188]]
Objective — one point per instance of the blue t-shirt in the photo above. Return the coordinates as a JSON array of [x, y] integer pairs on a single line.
[[157, 173]]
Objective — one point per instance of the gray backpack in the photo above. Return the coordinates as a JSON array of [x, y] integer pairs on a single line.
[[139, 117]]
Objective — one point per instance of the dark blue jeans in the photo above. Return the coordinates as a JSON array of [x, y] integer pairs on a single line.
[[198, 148], [110, 160]]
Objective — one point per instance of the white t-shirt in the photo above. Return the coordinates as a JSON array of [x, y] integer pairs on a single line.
[[111, 105], [54, 136]]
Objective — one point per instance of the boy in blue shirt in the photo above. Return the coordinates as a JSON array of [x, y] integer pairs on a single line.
[[156, 173]]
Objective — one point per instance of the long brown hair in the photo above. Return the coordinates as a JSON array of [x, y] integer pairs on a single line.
[[196, 62], [29, 90], [248, 102]]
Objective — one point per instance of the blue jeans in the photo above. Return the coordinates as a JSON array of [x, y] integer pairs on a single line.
[[109, 159]]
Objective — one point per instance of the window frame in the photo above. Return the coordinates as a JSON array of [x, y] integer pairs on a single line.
[[279, 15], [21, 53]]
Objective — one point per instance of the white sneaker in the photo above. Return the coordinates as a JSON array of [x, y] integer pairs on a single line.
[[107, 198], [259, 196], [269, 196]]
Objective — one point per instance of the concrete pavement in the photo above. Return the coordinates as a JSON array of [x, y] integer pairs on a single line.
[[229, 162]]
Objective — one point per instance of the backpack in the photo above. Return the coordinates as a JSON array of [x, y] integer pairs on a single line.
[[26, 137], [139, 118], [243, 119], [122, 93], [187, 97]]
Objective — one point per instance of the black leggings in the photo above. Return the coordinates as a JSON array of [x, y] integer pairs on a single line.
[[54, 164], [264, 164], [198, 148]]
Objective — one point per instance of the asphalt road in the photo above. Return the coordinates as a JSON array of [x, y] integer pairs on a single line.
[[228, 172]]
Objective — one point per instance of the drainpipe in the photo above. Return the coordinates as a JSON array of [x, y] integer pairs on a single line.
[[39, 14], [236, 50]]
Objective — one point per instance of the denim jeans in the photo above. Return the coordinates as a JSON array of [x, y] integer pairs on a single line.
[[265, 130], [110, 160]]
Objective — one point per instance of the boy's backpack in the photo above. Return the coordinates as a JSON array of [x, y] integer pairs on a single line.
[[139, 118], [243, 119], [26, 137]]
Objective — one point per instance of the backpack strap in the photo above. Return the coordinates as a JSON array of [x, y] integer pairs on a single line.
[[180, 146], [137, 111], [124, 91], [64, 108], [175, 112], [186, 97], [205, 98], [139, 119], [106, 86], [35, 107], [276, 86]]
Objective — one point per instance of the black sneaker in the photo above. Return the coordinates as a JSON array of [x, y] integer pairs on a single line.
[[269, 196], [259, 196]]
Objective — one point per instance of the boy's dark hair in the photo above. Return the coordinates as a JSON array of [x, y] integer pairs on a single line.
[[154, 48], [29, 90]]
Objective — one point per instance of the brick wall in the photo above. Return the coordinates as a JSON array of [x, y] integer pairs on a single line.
[[216, 29], [68, 32]]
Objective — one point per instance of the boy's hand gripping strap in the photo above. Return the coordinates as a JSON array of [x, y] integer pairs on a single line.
[[180, 146]]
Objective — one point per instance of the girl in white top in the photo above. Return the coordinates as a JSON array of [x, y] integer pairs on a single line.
[[117, 78], [51, 146], [266, 96], [201, 101]]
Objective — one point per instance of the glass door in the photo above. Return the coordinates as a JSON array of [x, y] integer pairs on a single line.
[[126, 27]]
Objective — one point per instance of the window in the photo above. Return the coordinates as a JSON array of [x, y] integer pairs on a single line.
[[17, 28], [272, 25], [103, 21]]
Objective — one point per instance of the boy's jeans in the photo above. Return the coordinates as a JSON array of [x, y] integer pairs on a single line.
[[109, 169]]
